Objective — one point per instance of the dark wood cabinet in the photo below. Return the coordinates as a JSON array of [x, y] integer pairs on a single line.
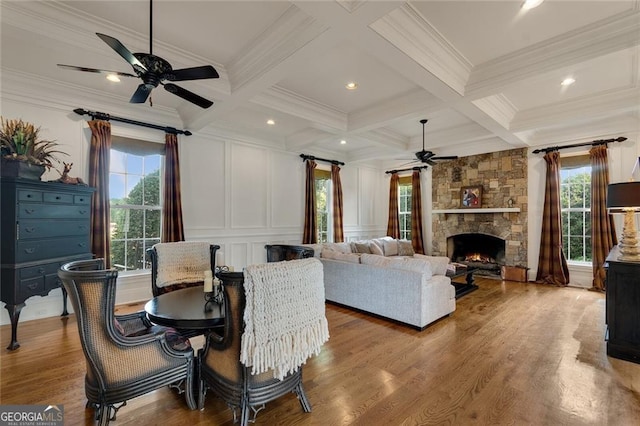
[[623, 308], [44, 225]]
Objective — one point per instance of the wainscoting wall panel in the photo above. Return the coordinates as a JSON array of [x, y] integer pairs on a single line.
[[249, 167]]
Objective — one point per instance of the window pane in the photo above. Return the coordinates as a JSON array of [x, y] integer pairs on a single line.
[[135, 164], [135, 254], [117, 254], [152, 224]]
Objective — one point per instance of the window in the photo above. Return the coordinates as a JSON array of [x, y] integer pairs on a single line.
[[575, 204], [135, 206], [404, 207], [323, 205]]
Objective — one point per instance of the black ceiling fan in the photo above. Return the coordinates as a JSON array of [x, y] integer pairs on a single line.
[[154, 71], [429, 157]]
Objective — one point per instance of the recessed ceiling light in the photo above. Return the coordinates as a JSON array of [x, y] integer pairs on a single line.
[[530, 4], [343, 142], [568, 81], [271, 122], [352, 85], [113, 77]]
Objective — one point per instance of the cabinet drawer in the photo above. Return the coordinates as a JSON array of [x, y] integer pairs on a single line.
[[82, 199], [41, 211], [29, 195], [32, 287], [49, 228], [56, 197], [39, 271], [51, 281], [44, 249]]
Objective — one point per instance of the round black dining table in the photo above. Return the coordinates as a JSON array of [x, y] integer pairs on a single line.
[[185, 309]]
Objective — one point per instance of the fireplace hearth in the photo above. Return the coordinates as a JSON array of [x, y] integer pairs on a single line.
[[482, 251]]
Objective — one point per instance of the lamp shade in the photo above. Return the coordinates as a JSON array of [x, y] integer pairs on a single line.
[[624, 195]]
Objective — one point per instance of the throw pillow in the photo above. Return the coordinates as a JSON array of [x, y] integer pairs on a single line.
[[339, 247], [361, 247], [376, 248], [405, 248], [390, 247]]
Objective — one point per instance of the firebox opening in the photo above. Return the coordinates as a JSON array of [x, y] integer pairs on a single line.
[[483, 251]]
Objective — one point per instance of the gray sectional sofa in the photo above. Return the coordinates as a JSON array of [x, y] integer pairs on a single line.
[[409, 289]]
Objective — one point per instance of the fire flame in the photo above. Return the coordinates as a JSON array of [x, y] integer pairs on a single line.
[[477, 257]]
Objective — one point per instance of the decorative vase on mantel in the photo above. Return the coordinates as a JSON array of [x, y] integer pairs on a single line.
[[21, 169]]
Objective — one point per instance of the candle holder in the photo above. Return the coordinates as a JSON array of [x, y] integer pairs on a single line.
[[216, 296]]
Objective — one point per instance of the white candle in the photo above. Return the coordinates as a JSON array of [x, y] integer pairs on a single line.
[[219, 258], [208, 281]]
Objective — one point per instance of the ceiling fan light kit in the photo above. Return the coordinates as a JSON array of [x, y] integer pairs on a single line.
[[429, 157], [154, 70]]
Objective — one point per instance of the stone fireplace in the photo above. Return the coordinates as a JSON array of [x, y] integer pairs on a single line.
[[500, 222]]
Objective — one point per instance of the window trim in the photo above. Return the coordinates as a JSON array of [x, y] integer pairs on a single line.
[[569, 163]]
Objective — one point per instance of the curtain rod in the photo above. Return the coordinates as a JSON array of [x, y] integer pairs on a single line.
[[107, 117], [311, 157], [592, 143], [406, 170]]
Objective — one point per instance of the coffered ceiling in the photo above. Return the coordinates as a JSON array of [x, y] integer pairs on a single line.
[[486, 74]]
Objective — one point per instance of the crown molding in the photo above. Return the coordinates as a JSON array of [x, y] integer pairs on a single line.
[[417, 103], [615, 33], [290, 32], [580, 109], [498, 107], [411, 33], [289, 102]]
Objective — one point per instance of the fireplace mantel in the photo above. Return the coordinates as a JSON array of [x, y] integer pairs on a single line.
[[481, 210]]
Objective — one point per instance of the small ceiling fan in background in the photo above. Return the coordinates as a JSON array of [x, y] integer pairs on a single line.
[[428, 157], [154, 71]]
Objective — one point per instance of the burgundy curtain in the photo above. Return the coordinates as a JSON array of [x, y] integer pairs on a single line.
[[416, 213], [393, 225], [172, 226], [603, 232], [310, 232], [552, 264], [99, 159], [338, 232]]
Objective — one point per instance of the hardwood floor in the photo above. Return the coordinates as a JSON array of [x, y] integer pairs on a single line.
[[511, 354]]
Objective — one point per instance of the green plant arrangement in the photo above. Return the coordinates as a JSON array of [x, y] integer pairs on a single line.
[[20, 142]]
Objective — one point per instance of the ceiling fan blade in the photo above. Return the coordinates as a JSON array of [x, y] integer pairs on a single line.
[[123, 51], [141, 94], [195, 73], [187, 95], [95, 70], [445, 157]]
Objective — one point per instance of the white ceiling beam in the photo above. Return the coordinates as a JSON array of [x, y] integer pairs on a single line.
[[609, 35]]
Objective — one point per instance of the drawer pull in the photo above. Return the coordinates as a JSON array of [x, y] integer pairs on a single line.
[[30, 229], [30, 250], [41, 270], [32, 286], [83, 211], [57, 197], [82, 244], [29, 211]]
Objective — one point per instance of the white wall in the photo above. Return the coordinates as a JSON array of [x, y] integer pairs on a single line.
[[622, 158], [238, 194]]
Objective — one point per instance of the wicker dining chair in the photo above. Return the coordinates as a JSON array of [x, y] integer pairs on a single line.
[[221, 370], [126, 356], [180, 264]]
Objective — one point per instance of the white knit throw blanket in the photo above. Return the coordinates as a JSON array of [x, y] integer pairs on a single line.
[[284, 316], [182, 262]]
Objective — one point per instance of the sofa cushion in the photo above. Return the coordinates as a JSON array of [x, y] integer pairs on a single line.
[[336, 255], [339, 247], [373, 259], [405, 248], [438, 263], [415, 265]]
